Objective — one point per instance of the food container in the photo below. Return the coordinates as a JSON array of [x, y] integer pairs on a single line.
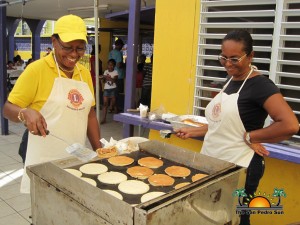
[[177, 121]]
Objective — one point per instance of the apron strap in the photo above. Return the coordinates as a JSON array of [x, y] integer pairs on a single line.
[[245, 80], [79, 72]]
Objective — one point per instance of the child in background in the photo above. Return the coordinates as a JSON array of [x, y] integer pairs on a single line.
[[10, 66], [110, 78]]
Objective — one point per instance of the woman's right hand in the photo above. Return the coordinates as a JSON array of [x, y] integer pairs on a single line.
[[35, 122], [189, 132]]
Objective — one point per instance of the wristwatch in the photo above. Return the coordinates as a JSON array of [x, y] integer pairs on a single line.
[[247, 138]]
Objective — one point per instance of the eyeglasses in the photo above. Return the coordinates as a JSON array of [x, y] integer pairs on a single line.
[[70, 49], [223, 59]]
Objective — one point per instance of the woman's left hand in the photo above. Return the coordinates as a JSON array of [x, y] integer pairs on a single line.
[[259, 149]]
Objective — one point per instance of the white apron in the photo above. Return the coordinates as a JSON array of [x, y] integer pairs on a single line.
[[66, 113], [225, 137]]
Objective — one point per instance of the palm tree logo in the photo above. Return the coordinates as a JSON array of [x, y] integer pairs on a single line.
[[279, 193], [240, 193]]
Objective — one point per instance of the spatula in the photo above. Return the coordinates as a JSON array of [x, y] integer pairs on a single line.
[[78, 150]]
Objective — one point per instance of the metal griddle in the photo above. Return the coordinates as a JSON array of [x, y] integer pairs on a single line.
[[136, 199], [60, 198]]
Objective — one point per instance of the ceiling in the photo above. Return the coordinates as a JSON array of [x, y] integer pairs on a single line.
[[53, 9]]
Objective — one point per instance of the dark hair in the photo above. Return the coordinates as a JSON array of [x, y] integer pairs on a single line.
[[119, 42], [112, 61], [29, 61], [140, 67], [93, 49], [241, 36], [56, 36], [143, 56]]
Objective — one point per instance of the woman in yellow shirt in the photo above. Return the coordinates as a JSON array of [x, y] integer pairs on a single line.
[[55, 93]]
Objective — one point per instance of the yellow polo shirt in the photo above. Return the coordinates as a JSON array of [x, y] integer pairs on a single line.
[[34, 85]]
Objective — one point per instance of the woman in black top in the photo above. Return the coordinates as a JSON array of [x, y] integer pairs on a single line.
[[236, 115]]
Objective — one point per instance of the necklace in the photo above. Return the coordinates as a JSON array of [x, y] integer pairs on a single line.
[[68, 71]]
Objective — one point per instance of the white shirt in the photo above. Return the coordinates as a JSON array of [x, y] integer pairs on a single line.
[[109, 84]]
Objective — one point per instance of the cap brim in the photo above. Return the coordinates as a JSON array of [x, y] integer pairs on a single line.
[[67, 37]]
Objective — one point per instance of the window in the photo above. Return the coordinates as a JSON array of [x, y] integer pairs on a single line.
[[275, 29]]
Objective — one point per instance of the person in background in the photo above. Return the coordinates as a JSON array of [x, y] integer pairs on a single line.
[[28, 62], [139, 83], [58, 100], [10, 65], [18, 61], [110, 78], [92, 70], [117, 55], [48, 51], [147, 84], [235, 130], [142, 61]]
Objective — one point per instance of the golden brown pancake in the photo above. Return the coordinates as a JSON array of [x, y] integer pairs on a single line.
[[198, 176], [150, 162], [140, 172], [120, 160], [106, 152], [180, 185], [177, 171], [161, 180]]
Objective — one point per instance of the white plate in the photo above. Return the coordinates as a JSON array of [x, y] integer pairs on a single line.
[[176, 121]]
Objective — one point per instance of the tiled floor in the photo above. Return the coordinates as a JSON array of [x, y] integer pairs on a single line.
[[14, 206]]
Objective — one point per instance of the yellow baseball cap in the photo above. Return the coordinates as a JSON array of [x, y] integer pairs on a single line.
[[70, 28]]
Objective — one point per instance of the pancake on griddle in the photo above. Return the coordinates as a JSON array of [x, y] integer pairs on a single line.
[[114, 193], [198, 176], [151, 195], [89, 180], [74, 172], [133, 187], [93, 168], [161, 180], [150, 162], [177, 171], [180, 185], [120, 160], [112, 177], [106, 152], [140, 172]]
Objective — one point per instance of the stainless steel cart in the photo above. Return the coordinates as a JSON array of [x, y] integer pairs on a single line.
[[60, 198]]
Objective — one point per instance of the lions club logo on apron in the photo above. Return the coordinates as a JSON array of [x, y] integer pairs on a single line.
[[75, 98], [216, 111]]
